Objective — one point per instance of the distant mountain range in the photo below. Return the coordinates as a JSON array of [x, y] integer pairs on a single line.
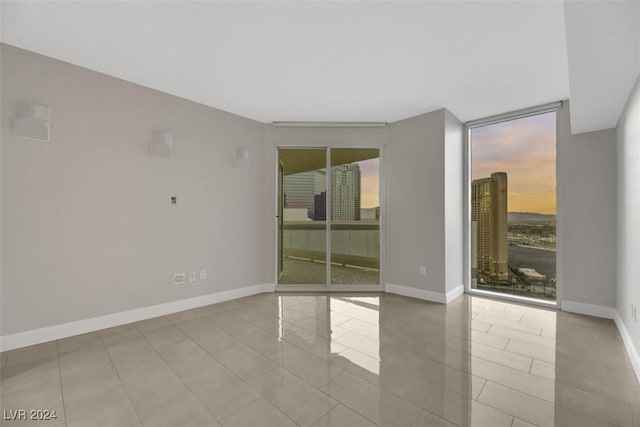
[[529, 217]]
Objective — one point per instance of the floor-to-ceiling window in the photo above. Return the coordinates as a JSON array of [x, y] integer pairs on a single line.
[[512, 204], [328, 216]]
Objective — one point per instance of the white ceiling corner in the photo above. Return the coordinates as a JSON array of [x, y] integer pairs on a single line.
[[320, 61], [603, 47]]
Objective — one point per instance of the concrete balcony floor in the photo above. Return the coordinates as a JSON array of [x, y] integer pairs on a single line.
[[298, 271]]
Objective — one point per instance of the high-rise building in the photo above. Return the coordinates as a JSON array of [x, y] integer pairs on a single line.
[[308, 190], [345, 186], [299, 190], [489, 250], [320, 213]]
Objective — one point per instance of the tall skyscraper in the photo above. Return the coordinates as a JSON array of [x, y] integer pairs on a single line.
[[345, 199], [489, 226], [299, 190], [307, 190]]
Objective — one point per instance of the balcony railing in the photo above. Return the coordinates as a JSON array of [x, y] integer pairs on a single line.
[[353, 243]]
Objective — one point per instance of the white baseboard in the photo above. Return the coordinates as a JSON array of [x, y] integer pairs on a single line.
[[608, 313], [454, 294], [628, 343], [588, 309], [64, 330], [416, 293]]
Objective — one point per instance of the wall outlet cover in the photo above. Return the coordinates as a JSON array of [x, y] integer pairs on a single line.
[[179, 279]]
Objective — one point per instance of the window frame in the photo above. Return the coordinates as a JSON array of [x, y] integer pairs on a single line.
[[468, 127]]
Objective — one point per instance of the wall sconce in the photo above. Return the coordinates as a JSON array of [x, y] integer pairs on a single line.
[[32, 121], [241, 158], [161, 144]]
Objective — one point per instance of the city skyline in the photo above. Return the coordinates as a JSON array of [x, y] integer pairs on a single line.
[[526, 150]]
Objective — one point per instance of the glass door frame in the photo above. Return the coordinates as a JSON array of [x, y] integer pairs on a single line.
[[527, 112], [381, 237]]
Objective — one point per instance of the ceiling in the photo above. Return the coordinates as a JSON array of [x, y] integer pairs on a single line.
[[315, 61], [295, 161], [603, 46]]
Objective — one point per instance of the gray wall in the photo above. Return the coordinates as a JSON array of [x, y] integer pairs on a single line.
[[586, 175], [425, 202], [415, 202], [454, 201], [87, 227], [628, 209]]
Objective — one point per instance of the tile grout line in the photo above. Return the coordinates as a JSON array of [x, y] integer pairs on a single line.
[[64, 408], [503, 411], [252, 389], [236, 411], [477, 399], [385, 390], [175, 373], [389, 391], [306, 383], [219, 420], [547, 401], [271, 404], [338, 402], [351, 409], [106, 349]]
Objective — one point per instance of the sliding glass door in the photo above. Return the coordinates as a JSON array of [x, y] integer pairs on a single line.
[[302, 223], [355, 216], [328, 216]]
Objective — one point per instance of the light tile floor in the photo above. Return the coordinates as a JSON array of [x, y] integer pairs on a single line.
[[332, 360]]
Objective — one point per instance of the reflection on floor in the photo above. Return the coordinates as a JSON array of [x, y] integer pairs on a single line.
[[333, 360], [297, 271]]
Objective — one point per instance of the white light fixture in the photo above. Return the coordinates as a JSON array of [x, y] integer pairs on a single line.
[[161, 144], [241, 158], [330, 124], [32, 121]]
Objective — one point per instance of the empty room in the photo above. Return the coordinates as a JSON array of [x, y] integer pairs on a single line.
[[310, 213]]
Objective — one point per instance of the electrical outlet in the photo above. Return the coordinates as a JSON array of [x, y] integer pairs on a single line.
[[203, 274], [192, 277], [423, 270], [178, 279]]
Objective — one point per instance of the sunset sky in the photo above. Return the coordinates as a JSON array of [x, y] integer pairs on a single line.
[[526, 150], [369, 183]]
